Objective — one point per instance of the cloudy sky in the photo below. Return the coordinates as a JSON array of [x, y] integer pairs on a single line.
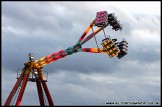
[[83, 78]]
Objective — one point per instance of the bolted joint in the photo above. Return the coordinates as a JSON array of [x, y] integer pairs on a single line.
[[29, 65], [69, 50], [76, 48]]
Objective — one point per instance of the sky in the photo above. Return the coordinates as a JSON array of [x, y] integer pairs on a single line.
[[83, 78]]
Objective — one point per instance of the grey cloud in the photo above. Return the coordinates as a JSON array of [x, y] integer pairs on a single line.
[[131, 89], [47, 27]]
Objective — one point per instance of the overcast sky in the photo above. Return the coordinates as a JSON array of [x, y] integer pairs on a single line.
[[83, 78]]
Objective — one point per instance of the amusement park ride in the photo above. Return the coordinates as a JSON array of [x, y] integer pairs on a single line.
[[34, 67]]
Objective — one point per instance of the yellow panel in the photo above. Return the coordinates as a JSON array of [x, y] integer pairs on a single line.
[[108, 41], [111, 44], [117, 52], [107, 47], [110, 51], [115, 49], [114, 54], [102, 44], [105, 43]]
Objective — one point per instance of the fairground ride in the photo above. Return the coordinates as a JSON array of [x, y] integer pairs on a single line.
[[32, 70]]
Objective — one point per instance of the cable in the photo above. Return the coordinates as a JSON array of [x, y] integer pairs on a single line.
[[104, 33], [95, 40]]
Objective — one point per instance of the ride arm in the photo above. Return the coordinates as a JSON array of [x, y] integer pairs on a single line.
[[50, 58], [92, 34], [94, 50], [57, 55], [86, 31]]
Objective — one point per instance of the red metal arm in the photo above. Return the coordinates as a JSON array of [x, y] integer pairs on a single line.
[[94, 50], [41, 85], [61, 54], [41, 101], [50, 58], [91, 35], [86, 31], [26, 76], [14, 89], [48, 94]]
